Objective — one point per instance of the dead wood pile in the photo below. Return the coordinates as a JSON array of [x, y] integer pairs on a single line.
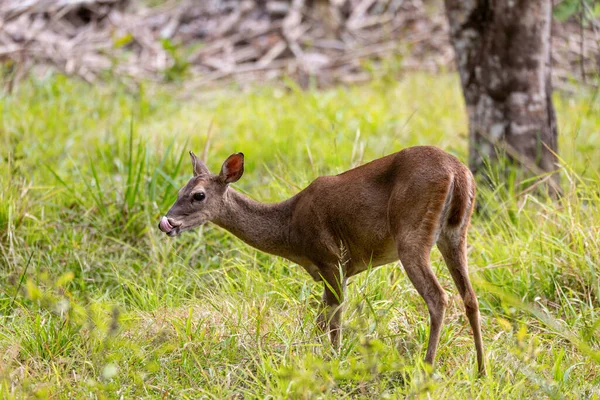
[[208, 41]]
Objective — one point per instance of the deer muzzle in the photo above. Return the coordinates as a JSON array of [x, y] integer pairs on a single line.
[[168, 227]]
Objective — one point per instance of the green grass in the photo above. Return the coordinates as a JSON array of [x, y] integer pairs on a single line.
[[95, 302]]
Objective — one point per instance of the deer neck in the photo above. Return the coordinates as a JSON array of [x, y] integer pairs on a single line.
[[263, 226]]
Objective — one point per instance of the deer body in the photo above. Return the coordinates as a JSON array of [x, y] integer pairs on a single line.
[[393, 208]]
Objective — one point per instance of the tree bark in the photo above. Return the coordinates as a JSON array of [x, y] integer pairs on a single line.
[[503, 56]]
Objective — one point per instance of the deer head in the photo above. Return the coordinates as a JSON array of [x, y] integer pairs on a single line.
[[202, 199]]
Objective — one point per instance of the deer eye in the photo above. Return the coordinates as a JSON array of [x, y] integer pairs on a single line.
[[199, 196]]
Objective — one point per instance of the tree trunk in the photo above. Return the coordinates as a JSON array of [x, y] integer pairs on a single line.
[[503, 56]]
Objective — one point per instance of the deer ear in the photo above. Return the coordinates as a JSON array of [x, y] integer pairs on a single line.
[[199, 167], [232, 168]]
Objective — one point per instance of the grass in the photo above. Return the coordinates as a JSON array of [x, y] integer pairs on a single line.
[[95, 302]]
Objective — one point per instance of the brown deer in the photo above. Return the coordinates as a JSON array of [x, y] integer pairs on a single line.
[[393, 208]]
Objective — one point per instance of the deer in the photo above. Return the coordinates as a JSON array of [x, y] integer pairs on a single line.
[[394, 208]]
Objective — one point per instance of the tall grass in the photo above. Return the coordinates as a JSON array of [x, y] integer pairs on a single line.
[[96, 302]]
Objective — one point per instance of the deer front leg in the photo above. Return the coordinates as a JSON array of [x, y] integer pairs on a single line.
[[331, 315]]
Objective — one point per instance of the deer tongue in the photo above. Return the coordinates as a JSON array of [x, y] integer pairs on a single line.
[[164, 225]]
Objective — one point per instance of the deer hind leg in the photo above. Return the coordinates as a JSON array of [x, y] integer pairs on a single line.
[[452, 243], [330, 318], [415, 260], [416, 230]]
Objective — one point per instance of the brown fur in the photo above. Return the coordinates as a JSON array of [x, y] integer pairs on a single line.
[[393, 208]]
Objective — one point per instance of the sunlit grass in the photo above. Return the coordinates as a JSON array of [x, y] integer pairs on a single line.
[[96, 302]]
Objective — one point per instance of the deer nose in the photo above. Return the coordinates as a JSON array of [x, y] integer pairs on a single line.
[[168, 224], [174, 223]]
